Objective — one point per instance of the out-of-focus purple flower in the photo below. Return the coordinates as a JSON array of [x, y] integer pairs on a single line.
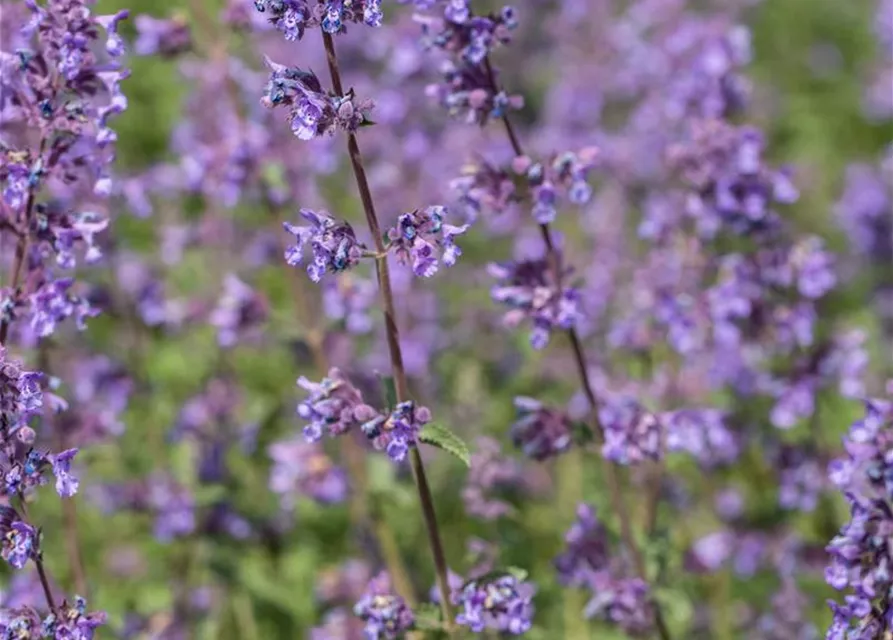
[[339, 624], [862, 553], [801, 479], [399, 431], [417, 236], [386, 614], [349, 299], [66, 483], [701, 433], [334, 406], [865, 211], [312, 111], [632, 433], [502, 604], [21, 394], [239, 311], [335, 246], [293, 17], [53, 303], [540, 432], [787, 617], [564, 175], [162, 36], [344, 583], [586, 551], [492, 474], [710, 552], [624, 602], [174, 508], [301, 468], [530, 291]]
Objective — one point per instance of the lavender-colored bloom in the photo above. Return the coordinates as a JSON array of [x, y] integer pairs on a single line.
[[18, 539], [564, 175], [73, 622], [20, 622], [312, 111], [587, 549], [865, 211], [540, 432], [239, 311], [788, 616], [334, 244], [301, 468], [386, 615], [174, 508], [398, 432], [503, 604], [625, 602], [529, 289], [490, 472], [21, 394], [53, 303], [417, 236], [862, 553], [632, 433], [293, 17], [334, 406], [66, 483], [162, 36], [703, 434], [339, 624], [350, 299]]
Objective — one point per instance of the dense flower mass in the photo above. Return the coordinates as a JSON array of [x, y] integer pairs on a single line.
[[313, 112], [862, 553], [540, 432], [632, 433], [417, 236], [564, 174], [334, 244], [386, 615], [293, 17], [530, 290], [334, 406], [503, 603], [18, 539]]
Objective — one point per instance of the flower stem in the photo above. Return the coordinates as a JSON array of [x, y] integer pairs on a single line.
[[393, 338], [612, 473]]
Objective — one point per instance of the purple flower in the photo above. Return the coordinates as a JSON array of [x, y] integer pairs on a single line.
[[632, 434], [239, 310], [301, 468], [66, 483], [349, 299], [701, 433], [530, 291], [18, 539], [566, 171], [624, 602], [587, 549], [293, 17], [313, 112], [541, 433], [334, 244], [162, 36], [334, 406], [490, 473], [502, 604], [398, 432], [73, 622], [419, 234], [53, 303], [386, 615]]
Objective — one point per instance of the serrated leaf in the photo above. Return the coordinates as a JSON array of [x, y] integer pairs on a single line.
[[390, 391], [439, 436]]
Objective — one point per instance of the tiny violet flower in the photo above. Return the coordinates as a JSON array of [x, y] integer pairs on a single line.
[[385, 614], [504, 604], [293, 17], [334, 406], [417, 235], [398, 432], [18, 539], [334, 244], [66, 483]]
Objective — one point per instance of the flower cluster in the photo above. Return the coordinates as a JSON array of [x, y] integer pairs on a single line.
[[18, 539], [293, 17], [492, 473], [166, 37], [303, 469], [468, 87], [418, 234], [385, 614], [335, 246], [632, 433], [567, 170], [703, 434], [397, 432], [313, 112], [239, 311], [71, 621], [862, 553], [503, 603], [540, 432], [529, 288], [349, 299], [334, 406]]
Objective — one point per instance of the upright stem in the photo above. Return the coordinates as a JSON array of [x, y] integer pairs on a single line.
[[612, 474], [393, 338]]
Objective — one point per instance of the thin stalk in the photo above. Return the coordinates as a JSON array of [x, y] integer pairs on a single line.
[[38, 562], [393, 338], [612, 473]]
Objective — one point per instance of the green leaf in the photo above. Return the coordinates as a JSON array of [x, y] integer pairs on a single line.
[[390, 391], [517, 573], [427, 617], [442, 438]]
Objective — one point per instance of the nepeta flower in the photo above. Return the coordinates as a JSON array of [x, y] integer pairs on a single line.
[[565, 171], [398, 432], [66, 483], [540, 432], [162, 36], [18, 539], [632, 433], [492, 473], [349, 299], [334, 244], [293, 17], [386, 615], [73, 621], [587, 549], [300, 468], [239, 311], [53, 303], [703, 434], [529, 289], [625, 602], [21, 395], [502, 604], [862, 553], [417, 236], [313, 112], [334, 406]]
